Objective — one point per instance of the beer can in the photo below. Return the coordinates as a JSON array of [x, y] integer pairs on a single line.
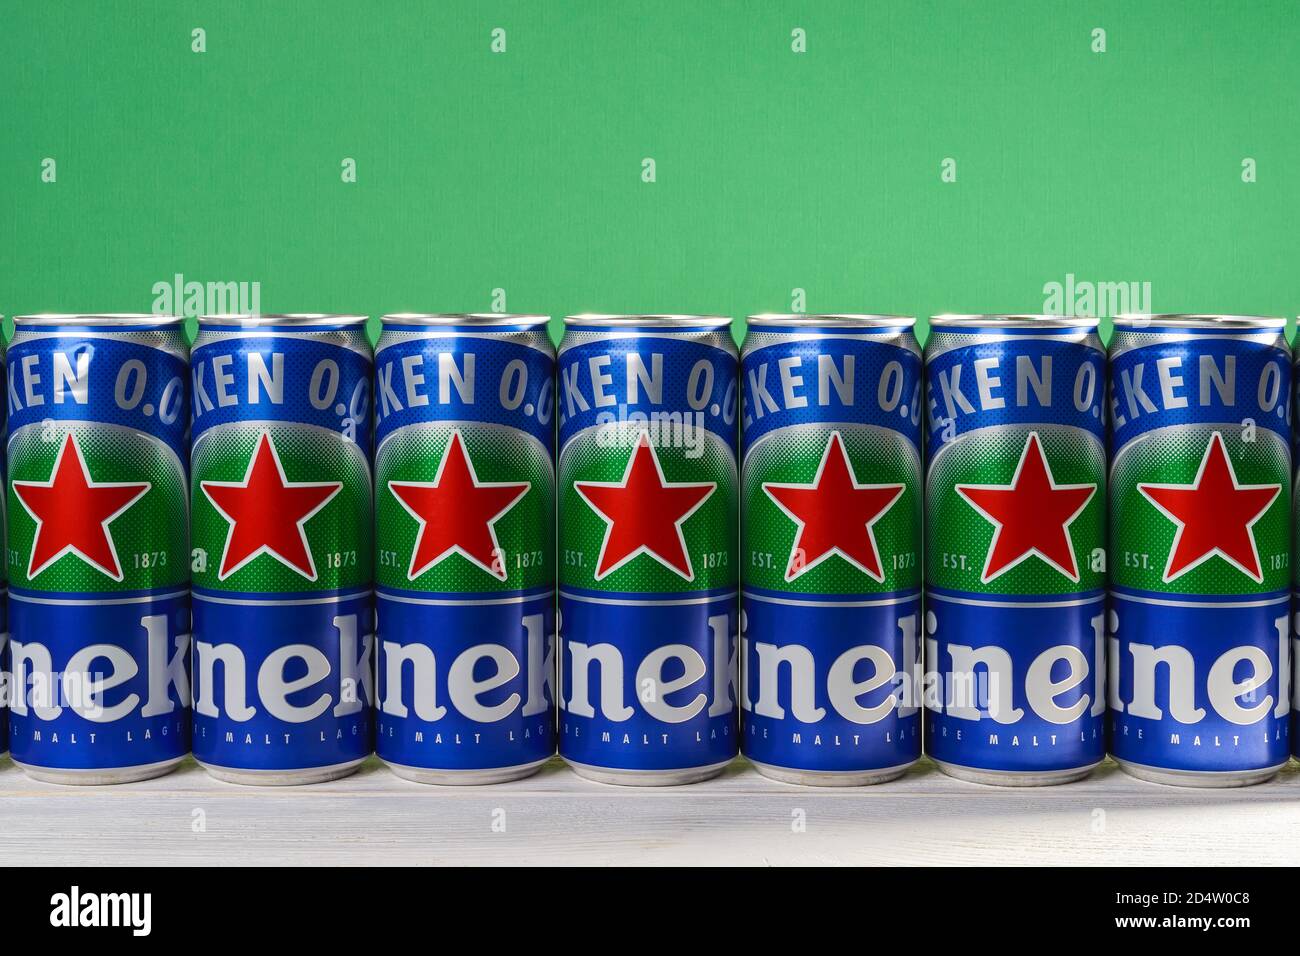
[[99, 577], [1294, 670], [4, 605], [831, 508], [647, 529], [465, 534], [1200, 529], [1015, 548], [282, 558]]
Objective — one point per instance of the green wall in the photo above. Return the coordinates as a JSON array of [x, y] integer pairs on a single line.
[[775, 170]]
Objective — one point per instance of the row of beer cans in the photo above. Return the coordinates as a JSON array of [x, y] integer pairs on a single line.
[[283, 550]]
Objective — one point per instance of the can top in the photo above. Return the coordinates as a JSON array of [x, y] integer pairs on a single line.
[[464, 318], [295, 319], [833, 320], [653, 321], [125, 320], [1183, 320], [1020, 322]]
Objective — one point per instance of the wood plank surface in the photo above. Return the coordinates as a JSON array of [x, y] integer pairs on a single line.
[[187, 818]]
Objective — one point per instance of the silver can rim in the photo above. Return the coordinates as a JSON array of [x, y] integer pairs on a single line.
[[853, 320], [294, 319], [1198, 320], [485, 319], [124, 319], [1012, 321], [665, 321]]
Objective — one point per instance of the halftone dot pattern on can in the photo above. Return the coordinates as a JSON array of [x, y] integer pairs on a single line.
[[171, 340], [120, 345], [525, 533], [621, 342], [1163, 417], [300, 365], [1172, 456], [341, 527], [990, 457], [150, 536], [792, 456], [602, 454], [489, 366]]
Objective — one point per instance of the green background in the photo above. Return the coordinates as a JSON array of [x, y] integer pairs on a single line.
[[775, 170]]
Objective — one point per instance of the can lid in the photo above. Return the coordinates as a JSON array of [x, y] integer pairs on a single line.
[[1184, 320], [124, 319], [464, 318], [833, 320], [652, 321], [951, 321], [296, 319]]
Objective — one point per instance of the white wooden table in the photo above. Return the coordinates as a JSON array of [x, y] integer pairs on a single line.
[[557, 818]]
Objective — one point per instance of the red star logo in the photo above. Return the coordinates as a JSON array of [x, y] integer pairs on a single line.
[[267, 512], [644, 513], [457, 512], [1214, 515], [835, 514], [72, 513], [1031, 516]]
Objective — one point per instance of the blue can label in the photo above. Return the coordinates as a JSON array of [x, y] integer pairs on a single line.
[[4, 618], [466, 685], [831, 499], [1032, 699], [1216, 699], [1295, 674], [4, 672], [647, 503], [283, 686], [1201, 540], [1016, 533], [465, 490], [281, 550], [648, 686], [505, 379], [97, 479], [1295, 594], [100, 686], [122, 381], [831, 688]]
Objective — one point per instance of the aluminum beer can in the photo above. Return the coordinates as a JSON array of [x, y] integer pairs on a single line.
[[465, 533], [1015, 556], [1200, 527], [98, 565], [4, 608], [281, 547], [647, 528], [1294, 670], [831, 505]]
